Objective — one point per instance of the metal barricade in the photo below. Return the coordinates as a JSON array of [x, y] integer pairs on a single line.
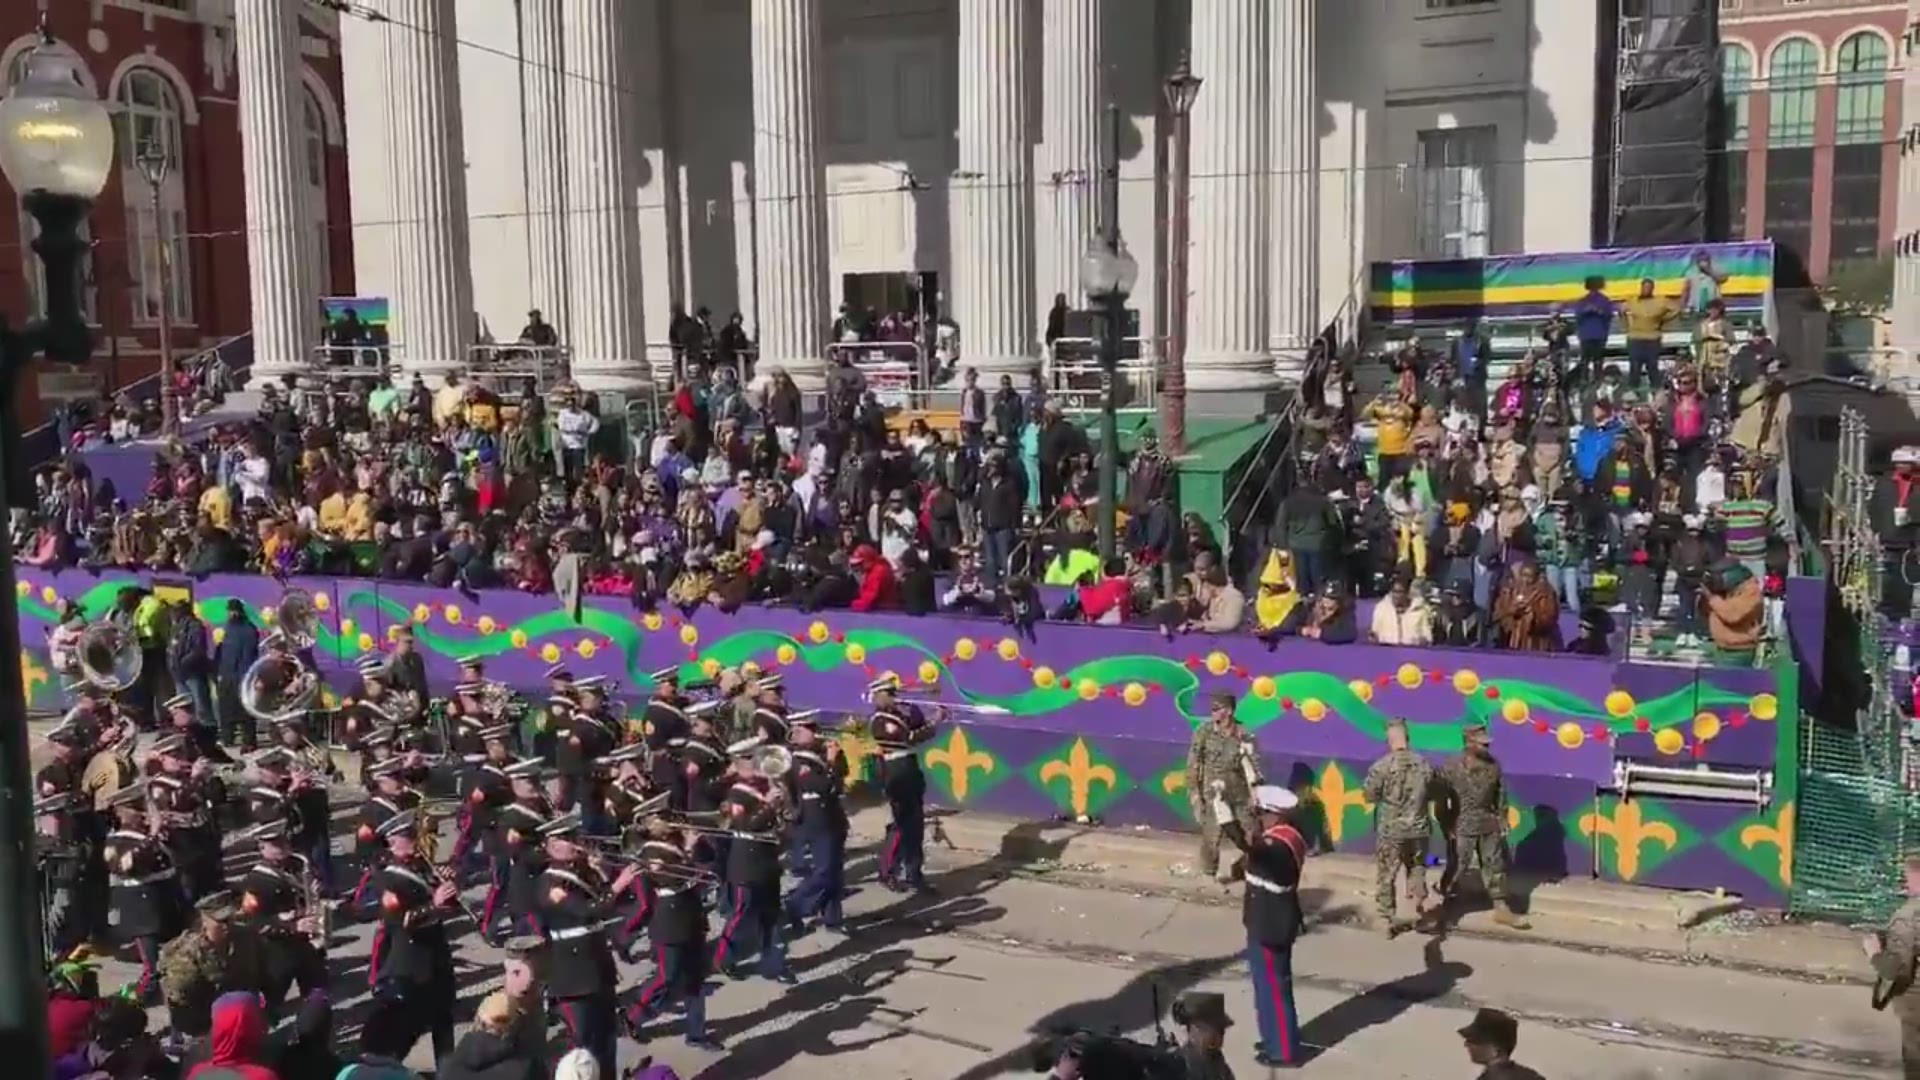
[[345, 362], [504, 367], [896, 371], [1077, 379]]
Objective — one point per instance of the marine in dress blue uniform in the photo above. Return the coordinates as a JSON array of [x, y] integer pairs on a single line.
[[820, 825], [517, 834], [1271, 914], [274, 899], [145, 905], [754, 811], [412, 964], [901, 730], [576, 903], [677, 930]]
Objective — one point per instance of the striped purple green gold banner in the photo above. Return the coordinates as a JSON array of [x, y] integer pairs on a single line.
[[1534, 285]]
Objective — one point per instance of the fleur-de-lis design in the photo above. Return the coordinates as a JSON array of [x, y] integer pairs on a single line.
[[1629, 832], [1080, 772], [1335, 797], [1780, 835], [31, 673], [1513, 818], [961, 759], [1174, 782]]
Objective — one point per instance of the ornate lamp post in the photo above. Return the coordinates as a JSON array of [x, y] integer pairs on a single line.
[[156, 163], [1182, 88], [1107, 275], [56, 147]]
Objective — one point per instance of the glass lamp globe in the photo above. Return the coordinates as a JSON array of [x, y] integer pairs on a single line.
[[55, 136], [1105, 272]]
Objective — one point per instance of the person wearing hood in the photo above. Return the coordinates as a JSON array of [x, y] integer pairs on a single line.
[[877, 584], [235, 1043], [1526, 613], [118, 1048], [1735, 612], [304, 1049], [492, 1050], [1277, 596], [1596, 440], [1690, 557], [1403, 618], [385, 1038]]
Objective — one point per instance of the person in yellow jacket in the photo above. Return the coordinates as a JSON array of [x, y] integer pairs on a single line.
[[1277, 592]]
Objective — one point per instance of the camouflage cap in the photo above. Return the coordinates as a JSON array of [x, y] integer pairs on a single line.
[[1477, 733], [219, 906]]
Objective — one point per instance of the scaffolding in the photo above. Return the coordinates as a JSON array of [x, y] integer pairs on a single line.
[[1664, 105], [1857, 814]]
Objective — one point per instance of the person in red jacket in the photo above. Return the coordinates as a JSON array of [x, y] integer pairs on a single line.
[[877, 584], [1107, 600]]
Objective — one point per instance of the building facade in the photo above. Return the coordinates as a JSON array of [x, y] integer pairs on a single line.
[[171, 70], [1810, 144], [607, 159]]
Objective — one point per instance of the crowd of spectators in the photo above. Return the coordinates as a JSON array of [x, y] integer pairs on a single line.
[[1476, 514], [1483, 512]]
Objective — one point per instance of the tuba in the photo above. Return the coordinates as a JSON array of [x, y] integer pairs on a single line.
[[772, 762], [109, 656], [280, 685], [298, 619]]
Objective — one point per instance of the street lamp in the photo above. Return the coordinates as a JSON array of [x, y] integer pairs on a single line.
[[56, 148], [156, 162], [1107, 275], [1183, 88]]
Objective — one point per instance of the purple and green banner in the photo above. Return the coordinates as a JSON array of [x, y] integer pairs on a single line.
[[1094, 722], [1532, 286]]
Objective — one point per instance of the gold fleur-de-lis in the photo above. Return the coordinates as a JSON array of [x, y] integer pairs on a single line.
[[1335, 797], [1174, 781], [1080, 773], [961, 760], [858, 746], [1513, 818], [1629, 831], [1780, 835], [31, 673]]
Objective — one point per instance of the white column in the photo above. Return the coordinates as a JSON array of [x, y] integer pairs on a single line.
[[1231, 209], [1295, 125], [1073, 98], [603, 224], [992, 194], [789, 187], [543, 124], [280, 281], [432, 292]]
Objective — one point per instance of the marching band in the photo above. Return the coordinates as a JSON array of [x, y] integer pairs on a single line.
[[605, 837]]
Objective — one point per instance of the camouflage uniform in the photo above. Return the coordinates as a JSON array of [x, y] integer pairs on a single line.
[[1399, 786], [1894, 964], [1473, 815], [1215, 755], [194, 971]]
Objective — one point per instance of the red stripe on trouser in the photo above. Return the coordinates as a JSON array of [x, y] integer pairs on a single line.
[[373, 961], [659, 981], [566, 1014], [146, 967], [640, 914], [1279, 1007], [360, 889], [486, 907], [726, 935], [887, 857]]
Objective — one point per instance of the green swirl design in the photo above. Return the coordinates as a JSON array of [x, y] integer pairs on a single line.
[[1173, 678]]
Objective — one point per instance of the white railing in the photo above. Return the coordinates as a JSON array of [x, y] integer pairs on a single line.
[[496, 364], [1077, 381], [338, 362], [896, 371]]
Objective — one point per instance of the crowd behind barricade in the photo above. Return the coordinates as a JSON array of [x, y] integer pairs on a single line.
[[1478, 512], [1484, 508]]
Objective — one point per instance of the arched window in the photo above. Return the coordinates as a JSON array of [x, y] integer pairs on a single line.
[[1791, 78], [1863, 89], [149, 122], [1736, 89], [35, 270], [316, 176]]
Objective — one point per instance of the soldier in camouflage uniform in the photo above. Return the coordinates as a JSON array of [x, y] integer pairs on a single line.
[[1471, 798], [1399, 785], [1215, 757], [1894, 959], [207, 961]]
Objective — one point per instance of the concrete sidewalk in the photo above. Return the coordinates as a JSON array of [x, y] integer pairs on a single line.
[[1584, 914]]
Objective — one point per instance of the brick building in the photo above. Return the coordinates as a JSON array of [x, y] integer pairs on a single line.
[[168, 70], [1812, 125]]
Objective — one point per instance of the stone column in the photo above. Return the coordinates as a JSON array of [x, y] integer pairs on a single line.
[[284, 296], [992, 193], [1231, 209], [789, 187], [1295, 125], [432, 291], [543, 123], [603, 224], [1073, 98]]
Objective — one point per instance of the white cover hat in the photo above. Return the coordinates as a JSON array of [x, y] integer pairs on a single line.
[[1274, 797]]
